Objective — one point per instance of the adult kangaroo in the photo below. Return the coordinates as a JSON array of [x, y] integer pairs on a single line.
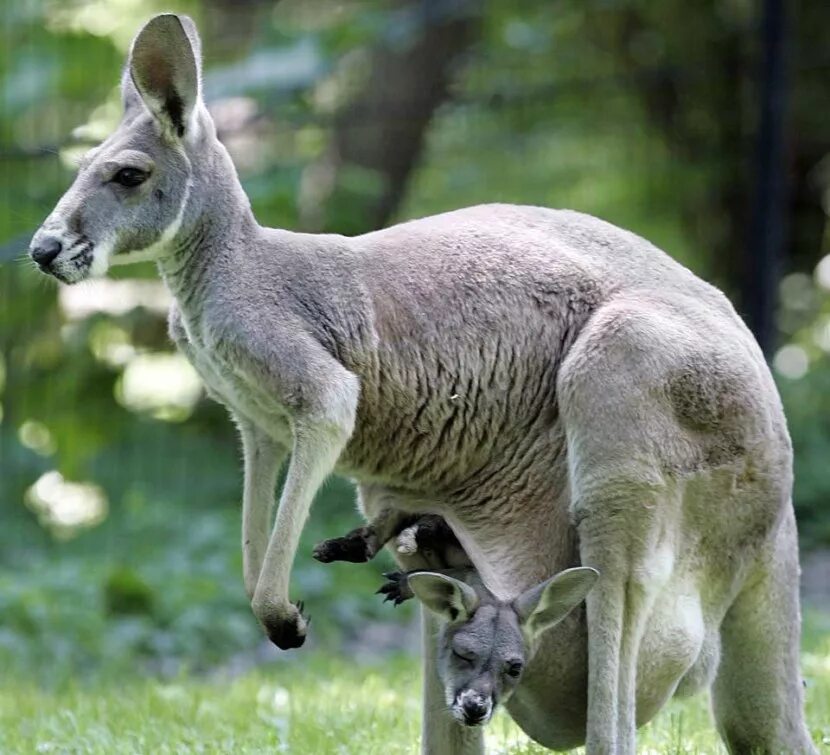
[[558, 389]]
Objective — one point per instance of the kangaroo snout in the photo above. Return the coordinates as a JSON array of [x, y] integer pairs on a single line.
[[66, 255], [473, 708], [44, 250]]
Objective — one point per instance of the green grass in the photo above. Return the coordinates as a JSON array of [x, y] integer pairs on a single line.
[[314, 705]]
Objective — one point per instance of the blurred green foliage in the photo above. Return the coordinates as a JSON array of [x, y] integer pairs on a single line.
[[622, 109]]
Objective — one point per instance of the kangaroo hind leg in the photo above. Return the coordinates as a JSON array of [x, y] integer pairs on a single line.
[[758, 694], [622, 447]]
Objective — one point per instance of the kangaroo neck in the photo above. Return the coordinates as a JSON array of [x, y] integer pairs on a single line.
[[217, 221]]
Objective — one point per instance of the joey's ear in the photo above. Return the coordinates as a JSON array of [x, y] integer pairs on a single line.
[[165, 67], [545, 605], [451, 599]]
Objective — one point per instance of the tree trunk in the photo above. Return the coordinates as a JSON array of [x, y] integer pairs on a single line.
[[379, 135]]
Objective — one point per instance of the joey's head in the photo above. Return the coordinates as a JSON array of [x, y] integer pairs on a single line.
[[486, 643], [134, 192]]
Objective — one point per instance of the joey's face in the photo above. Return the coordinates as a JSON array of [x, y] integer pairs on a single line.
[[131, 193], [126, 201], [485, 643], [480, 663]]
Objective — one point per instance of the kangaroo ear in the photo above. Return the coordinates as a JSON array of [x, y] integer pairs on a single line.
[[165, 67], [130, 98], [545, 605], [449, 598]]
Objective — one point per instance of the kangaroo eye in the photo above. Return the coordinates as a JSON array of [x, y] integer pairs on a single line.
[[129, 177], [514, 669], [467, 658]]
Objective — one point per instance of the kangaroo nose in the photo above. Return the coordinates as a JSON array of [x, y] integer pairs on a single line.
[[46, 250], [475, 710]]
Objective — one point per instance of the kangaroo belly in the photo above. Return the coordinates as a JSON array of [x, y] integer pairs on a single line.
[[550, 704]]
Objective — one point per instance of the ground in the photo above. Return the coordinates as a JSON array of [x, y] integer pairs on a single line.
[[310, 705]]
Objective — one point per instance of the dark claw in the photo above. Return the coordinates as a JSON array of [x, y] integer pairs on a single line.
[[301, 608], [392, 590]]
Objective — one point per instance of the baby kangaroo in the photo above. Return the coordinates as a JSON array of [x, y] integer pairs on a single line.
[[485, 643]]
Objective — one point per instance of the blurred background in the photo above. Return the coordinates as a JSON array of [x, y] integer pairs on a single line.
[[701, 126]]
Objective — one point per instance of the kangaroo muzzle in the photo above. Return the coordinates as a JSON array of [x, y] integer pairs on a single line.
[[473, 708], [66, 255]]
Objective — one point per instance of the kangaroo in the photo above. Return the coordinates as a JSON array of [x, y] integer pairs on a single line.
[[559, 390], [485, 644]]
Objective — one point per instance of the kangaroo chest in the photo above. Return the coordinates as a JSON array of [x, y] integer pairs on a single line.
[[226, 383]]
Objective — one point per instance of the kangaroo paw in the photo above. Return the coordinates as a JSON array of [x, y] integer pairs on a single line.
[[357, 547], [287, 632], [396, 588]]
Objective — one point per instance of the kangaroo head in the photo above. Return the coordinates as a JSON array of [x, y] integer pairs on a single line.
[[134, 192], [485, 643]]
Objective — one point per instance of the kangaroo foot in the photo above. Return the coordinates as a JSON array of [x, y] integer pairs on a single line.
[[357, 547], [286, 631]]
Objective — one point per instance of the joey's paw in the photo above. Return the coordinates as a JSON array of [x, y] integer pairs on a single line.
[[354, 547], [396, 588], [407, 541], [288, 632]]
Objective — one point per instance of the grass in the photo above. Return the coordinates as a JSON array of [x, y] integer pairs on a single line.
[[310, 705]]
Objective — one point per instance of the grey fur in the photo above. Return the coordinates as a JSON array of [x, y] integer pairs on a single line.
[[486, 643], [557, 388]]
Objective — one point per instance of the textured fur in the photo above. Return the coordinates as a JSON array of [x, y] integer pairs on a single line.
[[485, 643], [555, 387]]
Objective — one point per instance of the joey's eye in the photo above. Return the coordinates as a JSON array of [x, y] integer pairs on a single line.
[[463, 656], [514, 669], [129, 177]]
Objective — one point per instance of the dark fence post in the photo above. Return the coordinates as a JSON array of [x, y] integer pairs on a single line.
[[769, 212]]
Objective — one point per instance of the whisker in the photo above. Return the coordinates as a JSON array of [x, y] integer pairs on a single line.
[[16, 214], [42, 282], [439, 709], [25, 262]]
